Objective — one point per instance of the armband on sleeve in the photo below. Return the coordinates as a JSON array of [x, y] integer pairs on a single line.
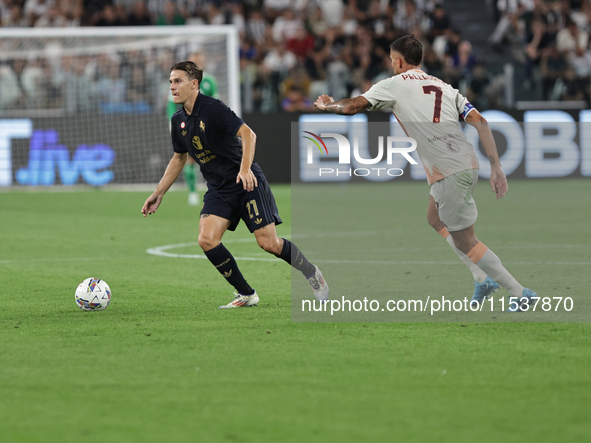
[[467, 108]]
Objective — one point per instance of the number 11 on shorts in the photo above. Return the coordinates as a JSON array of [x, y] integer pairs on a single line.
[[252, 206]]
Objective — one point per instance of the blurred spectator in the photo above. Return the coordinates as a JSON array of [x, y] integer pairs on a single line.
[[572, 43], [79, 88], [109, 17], [34, 9], [349, 22], [477, 86], [279, 59], [16, 18], [34, 84], [286, 26], [300, 44], [553, 66], [573, 86], [72, 10], [248, 49], [256, 26], [228, 14], [10, 91], [454, 37], [265, 90], [298, 78], [510, 11], [431, 63], [464, 60], [537, 45], [52, 18], [440, 23], [376, 18], [138, 90], [410, 17], [170, 16], [296, 100], [274, 8], [332, 10], [111, 87], [338, 78], [140, 15]]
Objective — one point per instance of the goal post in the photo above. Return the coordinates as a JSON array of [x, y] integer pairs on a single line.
[[87, 105]]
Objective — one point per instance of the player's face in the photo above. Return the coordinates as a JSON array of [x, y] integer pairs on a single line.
[[396, 59], [181, 87]]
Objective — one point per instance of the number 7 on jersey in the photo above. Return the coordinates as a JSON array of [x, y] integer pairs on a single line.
[[438, 95]]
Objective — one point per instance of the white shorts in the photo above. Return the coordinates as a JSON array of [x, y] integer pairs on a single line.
[[453, 197]]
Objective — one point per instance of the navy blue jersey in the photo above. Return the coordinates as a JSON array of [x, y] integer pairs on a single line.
[[209, 136]]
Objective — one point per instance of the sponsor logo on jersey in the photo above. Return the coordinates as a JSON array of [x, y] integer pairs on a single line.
[[197, 143]]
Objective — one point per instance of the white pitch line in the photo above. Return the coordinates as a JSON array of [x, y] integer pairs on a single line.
[[162, 251]]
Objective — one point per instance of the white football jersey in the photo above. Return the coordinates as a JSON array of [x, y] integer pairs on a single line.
[[429, 111]]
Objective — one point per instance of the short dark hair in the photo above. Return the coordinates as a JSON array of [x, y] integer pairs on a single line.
[[193, 70], [410, 48]]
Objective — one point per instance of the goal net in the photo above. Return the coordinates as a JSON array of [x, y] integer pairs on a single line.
[[88, 105]]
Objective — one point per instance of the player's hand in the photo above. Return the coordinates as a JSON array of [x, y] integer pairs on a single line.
[[151, 204], [249, 181], [322, 101], [498, 182]]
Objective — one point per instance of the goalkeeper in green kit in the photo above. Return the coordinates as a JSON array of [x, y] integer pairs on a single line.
[[209, 87]]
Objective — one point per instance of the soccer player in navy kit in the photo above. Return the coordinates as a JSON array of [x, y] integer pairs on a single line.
[[223, 146]]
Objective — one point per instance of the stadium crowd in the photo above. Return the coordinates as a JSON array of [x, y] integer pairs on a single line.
[[293, 50], [551, 38]]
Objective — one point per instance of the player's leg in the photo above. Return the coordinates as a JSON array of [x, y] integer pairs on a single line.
[[261, 216], [437, 224], [190, 180], [211, 230], [466, 241], [287, 251], [452, 200]]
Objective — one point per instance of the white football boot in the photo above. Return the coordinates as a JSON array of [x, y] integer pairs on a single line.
[[242, 301], [319, 285]]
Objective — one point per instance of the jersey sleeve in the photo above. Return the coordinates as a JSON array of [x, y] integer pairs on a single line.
[[177, 144], [380, 95], [463, 105], [227, 120]]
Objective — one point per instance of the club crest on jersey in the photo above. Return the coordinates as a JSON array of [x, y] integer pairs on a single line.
[[202, 126], [197, 143]]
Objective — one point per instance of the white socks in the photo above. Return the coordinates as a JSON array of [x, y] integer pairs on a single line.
[[488, 261], [479, 274]]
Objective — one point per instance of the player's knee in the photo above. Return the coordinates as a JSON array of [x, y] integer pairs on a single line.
[[207, 243], [270, 245]]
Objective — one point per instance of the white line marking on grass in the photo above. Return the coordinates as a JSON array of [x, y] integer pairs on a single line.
[[162, 251]]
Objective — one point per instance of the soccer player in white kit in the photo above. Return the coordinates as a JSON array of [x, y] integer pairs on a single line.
[[429, 110]]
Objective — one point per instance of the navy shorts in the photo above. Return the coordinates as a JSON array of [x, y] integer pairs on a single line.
[[257, 208]]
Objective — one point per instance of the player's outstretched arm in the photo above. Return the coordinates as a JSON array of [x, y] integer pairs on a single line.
[[498, 181], [348, 106], [173, 170], [249, 141]]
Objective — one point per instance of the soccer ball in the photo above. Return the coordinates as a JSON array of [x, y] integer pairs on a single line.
[[93, 294]]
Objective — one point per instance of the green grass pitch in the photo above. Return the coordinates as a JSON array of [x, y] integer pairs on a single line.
[[162, 364]]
